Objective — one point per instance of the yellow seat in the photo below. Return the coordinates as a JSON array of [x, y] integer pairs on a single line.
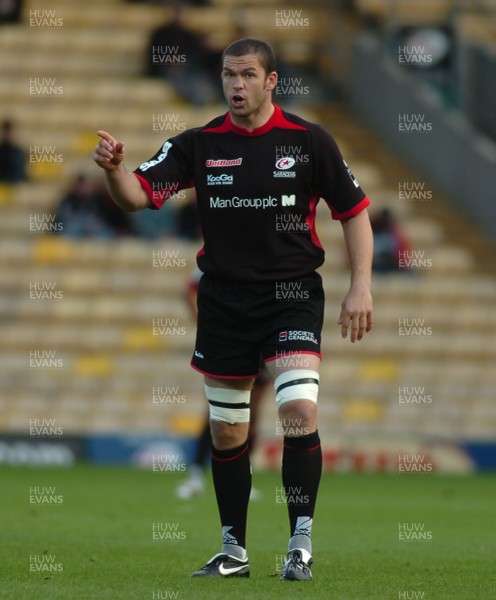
[[84, 142], [384, 369], [45, 171], [363, 409], [54, 249], [142, 338], [186, 423], [6, 193], [93, 365]]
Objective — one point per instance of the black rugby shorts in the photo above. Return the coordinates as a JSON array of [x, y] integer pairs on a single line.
[[241, 322]]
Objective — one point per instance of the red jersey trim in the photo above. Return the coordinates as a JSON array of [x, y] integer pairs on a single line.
[[148, 189], [353, 211], [192, 286], [310, 220], [164, 195], [276, 120]]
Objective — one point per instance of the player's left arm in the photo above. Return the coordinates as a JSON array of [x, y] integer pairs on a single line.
[[356, 308]]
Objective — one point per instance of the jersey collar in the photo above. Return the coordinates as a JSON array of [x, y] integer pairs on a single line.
[[267, 126], [277, 119]]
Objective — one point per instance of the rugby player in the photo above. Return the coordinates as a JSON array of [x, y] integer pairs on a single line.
[[259, 173]]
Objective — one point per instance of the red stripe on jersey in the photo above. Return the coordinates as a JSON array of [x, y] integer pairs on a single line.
[[159, 198], [276, 120], [148, 189], [352, 212], [310, 221]]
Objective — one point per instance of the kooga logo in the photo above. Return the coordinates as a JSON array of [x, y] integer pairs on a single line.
[[223, 179]]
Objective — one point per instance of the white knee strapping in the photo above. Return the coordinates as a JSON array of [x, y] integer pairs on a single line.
[[231, 406], [297, 384]]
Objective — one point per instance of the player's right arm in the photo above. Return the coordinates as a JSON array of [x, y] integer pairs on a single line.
[[123, 186]]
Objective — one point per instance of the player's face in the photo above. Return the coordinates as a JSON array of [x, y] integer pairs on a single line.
[[247, 87]]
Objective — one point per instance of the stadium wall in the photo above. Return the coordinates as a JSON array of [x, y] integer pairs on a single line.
[[162, 452], [476, 84], [450, 153]]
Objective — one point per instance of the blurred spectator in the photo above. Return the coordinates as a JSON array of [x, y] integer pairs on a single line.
[[184, 59], [12, 157], [389, 241], [88, 211], [115, 219], [178, 217], [153, 224], [188, 221], [10, 11]]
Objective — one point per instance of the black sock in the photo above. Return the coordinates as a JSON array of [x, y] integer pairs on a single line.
[[231, 473], [301, 471], [203, 446]]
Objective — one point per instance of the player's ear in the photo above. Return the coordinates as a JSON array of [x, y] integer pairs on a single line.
[[271, 81]]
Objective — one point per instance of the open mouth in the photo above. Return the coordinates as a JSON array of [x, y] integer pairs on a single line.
[[237, 101]]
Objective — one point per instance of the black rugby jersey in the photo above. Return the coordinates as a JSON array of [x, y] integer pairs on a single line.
[[256, 192]]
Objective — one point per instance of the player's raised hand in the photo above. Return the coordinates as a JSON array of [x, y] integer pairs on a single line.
[[109, 153]]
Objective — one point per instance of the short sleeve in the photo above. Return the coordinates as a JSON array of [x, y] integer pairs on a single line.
[[169, 170], [335, 182]]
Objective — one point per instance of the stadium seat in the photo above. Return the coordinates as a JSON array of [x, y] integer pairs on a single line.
[[94, 365], [102, 328], [406, 12]]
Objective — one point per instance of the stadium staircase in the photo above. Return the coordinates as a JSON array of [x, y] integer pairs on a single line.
[[106, 369]]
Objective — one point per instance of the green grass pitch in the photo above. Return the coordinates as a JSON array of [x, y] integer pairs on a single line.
[[375, 537]]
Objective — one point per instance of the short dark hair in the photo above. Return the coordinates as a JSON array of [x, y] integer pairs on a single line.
[[253, 46]]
